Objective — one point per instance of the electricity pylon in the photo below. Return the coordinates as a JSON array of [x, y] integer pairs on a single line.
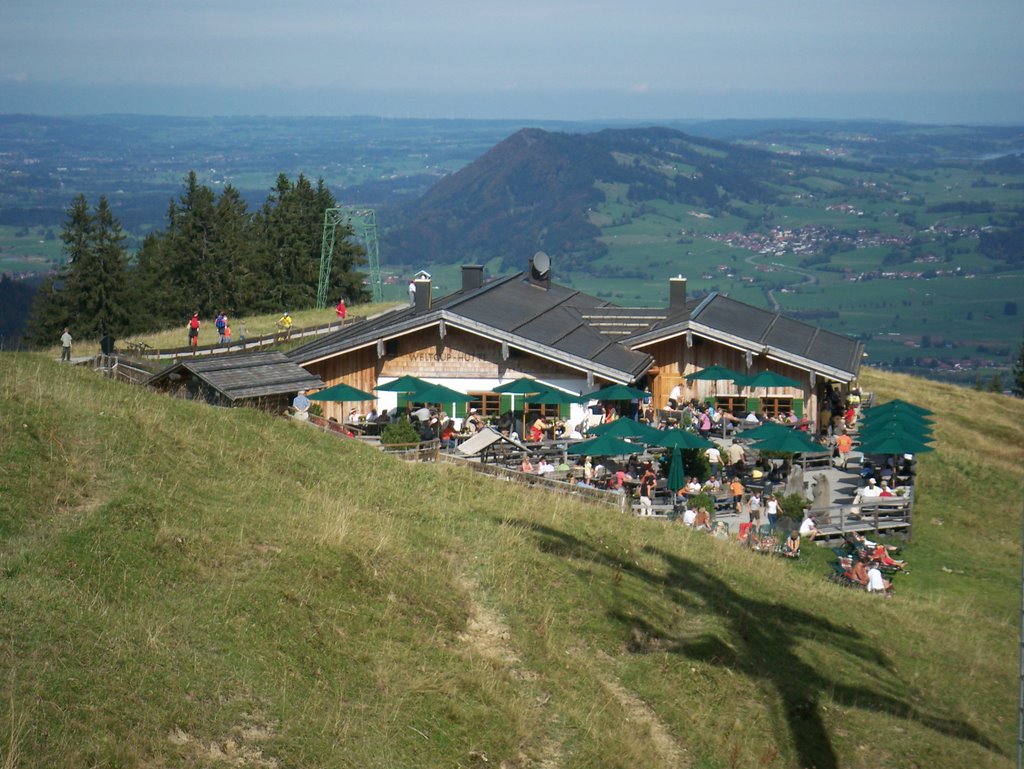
[[363, 224]]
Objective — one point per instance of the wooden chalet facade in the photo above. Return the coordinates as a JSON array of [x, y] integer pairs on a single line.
[[524, 325]]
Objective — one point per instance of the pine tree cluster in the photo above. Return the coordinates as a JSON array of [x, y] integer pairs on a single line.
[[214, 255]]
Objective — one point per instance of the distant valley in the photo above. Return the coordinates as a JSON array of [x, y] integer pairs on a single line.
[[910, 237]]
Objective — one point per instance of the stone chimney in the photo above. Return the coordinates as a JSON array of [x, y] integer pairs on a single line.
[[422, 293], [677, 293], [472, 276]]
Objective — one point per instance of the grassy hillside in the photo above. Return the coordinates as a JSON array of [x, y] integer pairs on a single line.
[[188, 586]]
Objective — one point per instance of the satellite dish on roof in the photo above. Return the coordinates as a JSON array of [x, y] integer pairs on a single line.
[[541, 264]]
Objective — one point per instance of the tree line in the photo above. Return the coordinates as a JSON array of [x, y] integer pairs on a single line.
[[214, 255]]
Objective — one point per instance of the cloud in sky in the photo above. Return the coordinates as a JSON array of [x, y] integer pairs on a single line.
[[646, 55]]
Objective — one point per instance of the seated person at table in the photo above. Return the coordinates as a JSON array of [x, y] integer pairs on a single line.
[[791, 547], [690, 517], [448, 439], [372, 416], [545, 467], [538, 428], [527, 465], [693, 486], [476, 424]]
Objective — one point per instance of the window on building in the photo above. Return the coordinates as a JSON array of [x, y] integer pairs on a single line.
[[547, 411], [772, 406], [488, 405], [734, 404]]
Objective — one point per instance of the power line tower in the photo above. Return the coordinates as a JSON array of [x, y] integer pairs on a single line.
[[363, 224]]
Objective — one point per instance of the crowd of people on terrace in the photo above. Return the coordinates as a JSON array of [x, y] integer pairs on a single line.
[[738, 482]]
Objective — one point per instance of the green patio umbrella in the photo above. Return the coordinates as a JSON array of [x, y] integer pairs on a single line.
[[792, 442], [404, 384], [625, 428], [716, 374], [894, 444], [893, 415], [522, 386], [617, 392], [899, 405], [766, 430], [771, 379], [604, 446], [921, 432], [676, 471], [551, 398], [342, 392], [683, 439], [440, 394]]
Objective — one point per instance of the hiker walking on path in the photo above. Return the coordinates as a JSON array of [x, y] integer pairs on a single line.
[[193, 331], [65, 346], [342, 310], [284, 325]]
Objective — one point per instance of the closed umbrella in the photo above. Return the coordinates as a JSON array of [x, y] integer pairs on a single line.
[[676, 471]]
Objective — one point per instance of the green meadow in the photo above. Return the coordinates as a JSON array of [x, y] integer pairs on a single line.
[[191, 586]]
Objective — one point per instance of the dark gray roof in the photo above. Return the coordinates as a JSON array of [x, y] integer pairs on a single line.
[[760, 331], [245, 375], [547, 322]]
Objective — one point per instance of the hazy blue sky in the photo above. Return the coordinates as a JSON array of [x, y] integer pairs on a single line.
[[923, 60]]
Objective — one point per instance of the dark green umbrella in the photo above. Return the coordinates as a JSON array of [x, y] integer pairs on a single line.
[[604, 446], [771, 379], [765, 430], [921, 432], [893, 444], [676, 471], [716, 374], [617, 392], [520, 386], [683, 439], [792, 442], [625, 428], [552, 398], [440, 394], [900, 405], [342, 392], [404, 384], [894, 415]]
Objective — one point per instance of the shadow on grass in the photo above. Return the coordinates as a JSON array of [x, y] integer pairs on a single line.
[[760, 641]]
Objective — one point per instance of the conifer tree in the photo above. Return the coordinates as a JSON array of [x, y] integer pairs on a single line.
[[1017, 384], [98, 287], [51, 310]]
